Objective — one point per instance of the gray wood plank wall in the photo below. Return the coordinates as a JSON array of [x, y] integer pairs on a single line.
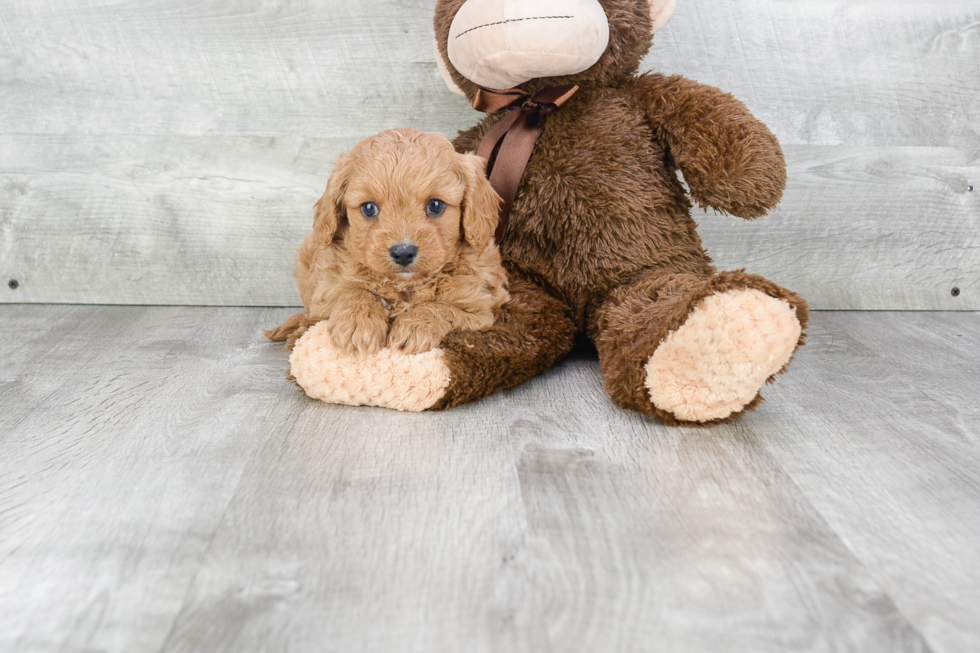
[[170, 152]]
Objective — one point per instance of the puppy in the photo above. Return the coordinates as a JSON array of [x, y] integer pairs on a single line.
[[402, 250]]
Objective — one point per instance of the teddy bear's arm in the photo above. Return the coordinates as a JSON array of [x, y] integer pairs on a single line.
[[730, 159]]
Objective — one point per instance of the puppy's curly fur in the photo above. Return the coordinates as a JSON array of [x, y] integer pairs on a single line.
[[347, 272]]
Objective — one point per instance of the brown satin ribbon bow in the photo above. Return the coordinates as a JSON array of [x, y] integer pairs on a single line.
[[519, 131]]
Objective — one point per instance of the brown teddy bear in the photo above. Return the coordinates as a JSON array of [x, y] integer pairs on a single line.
[[600, 238]]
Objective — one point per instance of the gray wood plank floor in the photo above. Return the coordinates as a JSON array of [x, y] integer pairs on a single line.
[[163, 488]]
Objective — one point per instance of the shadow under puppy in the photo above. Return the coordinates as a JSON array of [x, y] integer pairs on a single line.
[[402, 250]]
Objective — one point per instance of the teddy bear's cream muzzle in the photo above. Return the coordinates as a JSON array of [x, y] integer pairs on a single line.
[[499, 44]]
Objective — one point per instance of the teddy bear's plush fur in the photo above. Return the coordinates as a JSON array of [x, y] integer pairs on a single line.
[[601, 240]]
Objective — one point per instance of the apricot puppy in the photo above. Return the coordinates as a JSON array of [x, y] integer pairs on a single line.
[[402, 250]]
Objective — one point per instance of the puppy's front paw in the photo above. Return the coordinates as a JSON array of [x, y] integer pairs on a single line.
[[358, 332], [413, 335]]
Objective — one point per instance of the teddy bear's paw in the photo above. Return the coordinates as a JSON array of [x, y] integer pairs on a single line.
[[717, 361], [389, 379]]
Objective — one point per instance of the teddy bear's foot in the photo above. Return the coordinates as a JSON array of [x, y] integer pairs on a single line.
[[388, 379], [715, 363]]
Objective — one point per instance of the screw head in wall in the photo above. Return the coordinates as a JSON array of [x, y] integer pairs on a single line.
[[955, 292], [13, 284]]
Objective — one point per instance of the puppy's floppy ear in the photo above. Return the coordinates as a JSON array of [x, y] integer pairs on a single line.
[[481, 204], [330, 216]]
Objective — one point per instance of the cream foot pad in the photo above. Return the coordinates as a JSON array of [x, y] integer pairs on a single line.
[[409, 382], [719, 359]]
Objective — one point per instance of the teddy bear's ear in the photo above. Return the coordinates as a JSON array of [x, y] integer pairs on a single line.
[[661, 12], [444, 71]]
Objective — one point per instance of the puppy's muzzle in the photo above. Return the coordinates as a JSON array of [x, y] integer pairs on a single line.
[[404, 254]]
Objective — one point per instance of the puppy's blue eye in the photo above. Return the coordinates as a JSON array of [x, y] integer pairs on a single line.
[[370, 210], [435, 208]]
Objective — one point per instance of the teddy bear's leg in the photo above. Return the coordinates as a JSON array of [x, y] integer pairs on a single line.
[[694, 348], [530, 333]]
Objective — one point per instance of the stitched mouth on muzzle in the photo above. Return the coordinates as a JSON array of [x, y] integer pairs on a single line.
[[512, 20]]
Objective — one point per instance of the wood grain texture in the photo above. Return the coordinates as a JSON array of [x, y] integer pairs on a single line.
[[523, 524], [169, 153], [879, 429], [159, 220], [127, 437], [176, 67], [163, 488], [875, 72], [838, 72], [859, 228], [947, 371], [866, 228]]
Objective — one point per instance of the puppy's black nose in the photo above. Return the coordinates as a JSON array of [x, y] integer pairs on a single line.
[[403, 254]]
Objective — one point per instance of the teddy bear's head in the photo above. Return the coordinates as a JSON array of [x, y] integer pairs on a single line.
[[532, 44]]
